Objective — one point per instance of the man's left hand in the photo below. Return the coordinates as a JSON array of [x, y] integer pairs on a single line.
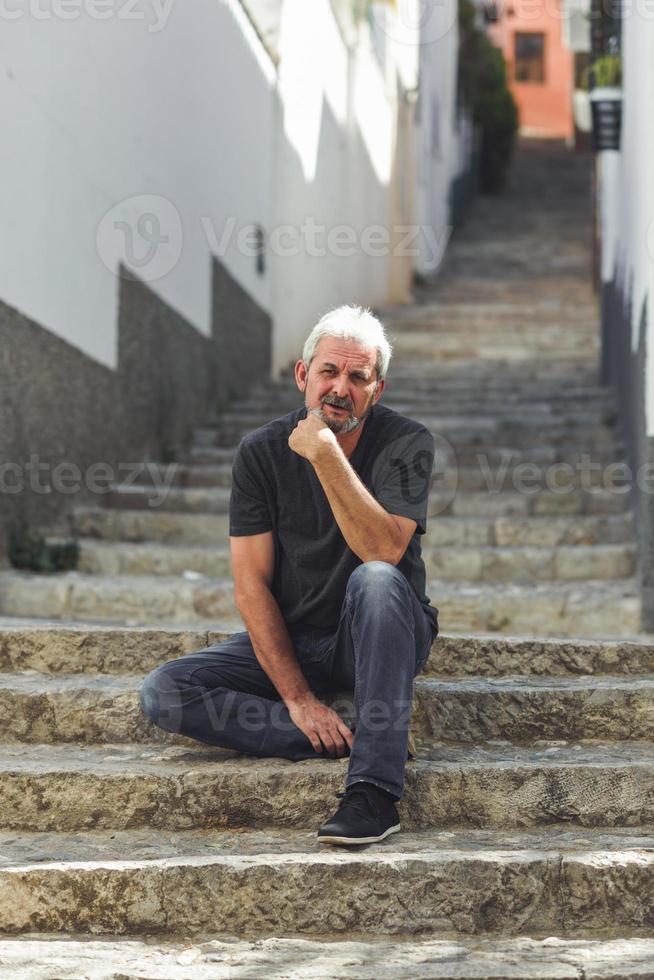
[[310, 436]]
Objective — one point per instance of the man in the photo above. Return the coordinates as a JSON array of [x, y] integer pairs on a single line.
[[326, 510]]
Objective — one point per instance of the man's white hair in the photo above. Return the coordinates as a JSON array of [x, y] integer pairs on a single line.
[[351, 323]]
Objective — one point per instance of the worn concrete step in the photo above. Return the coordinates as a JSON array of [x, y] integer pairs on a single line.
[[190, 500], [461, 433], [439, 404], [419, 347], [80, 958], [479, 313], [595, 608], [153, 558], [572, 563], [266, 883], [524, 564], [53, 647], [149, 525], [104, 708], [488, 455], [516, 531], [592, 608], [594, 482], [531, 499], [455, 401], [213, 529], [411, 342], [499, 786], [129, 599]]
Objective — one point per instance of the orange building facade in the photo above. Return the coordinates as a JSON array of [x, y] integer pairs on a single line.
[[540, 67]]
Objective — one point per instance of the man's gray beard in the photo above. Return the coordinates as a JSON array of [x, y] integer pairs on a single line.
[[339, 428]]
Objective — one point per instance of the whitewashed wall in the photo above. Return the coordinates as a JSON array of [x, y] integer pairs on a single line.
[[168, 115], [443, 145], [334, 139], [157, 139], [627, 191]]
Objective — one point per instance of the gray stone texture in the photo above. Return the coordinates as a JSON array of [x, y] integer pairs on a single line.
[[62, 405]]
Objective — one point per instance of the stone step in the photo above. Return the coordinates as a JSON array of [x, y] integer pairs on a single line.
[[542, 532], [439, 403], [419, 346], [404, 958], [461, 432], [480, 313], [85, 708], [593, 608], [172, 527], [190, 500], [599, 485], [143, 525], [459, 503], [450, 564], [563, 564], [53, 648], [488, 454], [266, 882], [130, 599], [496, 787], [411, 341]]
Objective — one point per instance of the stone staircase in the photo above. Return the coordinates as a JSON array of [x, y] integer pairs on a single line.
[[526, 848]]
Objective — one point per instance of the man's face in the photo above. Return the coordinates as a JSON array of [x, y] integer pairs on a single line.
[[341, 383]]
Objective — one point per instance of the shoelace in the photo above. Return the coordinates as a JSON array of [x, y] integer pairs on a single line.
[[355, 798]]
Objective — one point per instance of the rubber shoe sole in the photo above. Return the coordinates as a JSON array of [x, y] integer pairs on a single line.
[[358, 840]]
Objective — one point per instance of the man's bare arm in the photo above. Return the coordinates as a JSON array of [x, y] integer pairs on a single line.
[[370, 531], [252, 565]]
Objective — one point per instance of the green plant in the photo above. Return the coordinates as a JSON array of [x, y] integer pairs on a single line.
[[605, 72], [484, 88], [31, 552]]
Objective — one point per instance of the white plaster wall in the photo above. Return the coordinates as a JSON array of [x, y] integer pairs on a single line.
[[117, 114], [442, 146], [627, 183], [175, 122], [334, 142]]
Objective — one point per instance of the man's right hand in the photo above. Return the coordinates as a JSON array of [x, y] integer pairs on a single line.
[[322, 725]]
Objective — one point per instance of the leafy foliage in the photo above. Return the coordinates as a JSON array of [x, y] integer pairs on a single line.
[[605, 72], [31, 552], [484, 88]]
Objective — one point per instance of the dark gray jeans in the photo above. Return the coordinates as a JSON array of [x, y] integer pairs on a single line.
[[222, 696]]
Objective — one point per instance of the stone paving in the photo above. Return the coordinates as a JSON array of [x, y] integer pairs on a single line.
[[527, 847]]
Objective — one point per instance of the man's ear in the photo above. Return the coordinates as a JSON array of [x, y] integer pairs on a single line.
[[300, 375]]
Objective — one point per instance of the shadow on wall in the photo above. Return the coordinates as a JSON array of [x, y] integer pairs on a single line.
[[63, 415], [625, 371]]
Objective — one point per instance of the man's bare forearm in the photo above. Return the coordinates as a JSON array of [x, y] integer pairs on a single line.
[[370, 531], [272, 643]]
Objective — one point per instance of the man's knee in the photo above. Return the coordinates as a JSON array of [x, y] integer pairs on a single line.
[[161, 697], [376, 576]]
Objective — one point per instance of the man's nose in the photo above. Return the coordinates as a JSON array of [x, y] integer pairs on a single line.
[[341, 387]]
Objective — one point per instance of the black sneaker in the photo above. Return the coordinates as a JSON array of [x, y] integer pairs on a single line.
[[365, 816]]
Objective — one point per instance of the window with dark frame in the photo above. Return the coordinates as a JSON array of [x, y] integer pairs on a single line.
[[529, 60]]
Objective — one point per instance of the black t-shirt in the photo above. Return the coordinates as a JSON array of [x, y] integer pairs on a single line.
[[276, 489]]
